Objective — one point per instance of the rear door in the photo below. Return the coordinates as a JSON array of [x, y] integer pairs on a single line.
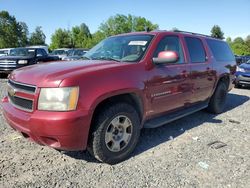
[[201, 76], [168, 84]]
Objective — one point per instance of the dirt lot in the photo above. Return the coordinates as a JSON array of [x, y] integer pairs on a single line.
[[180, 154]]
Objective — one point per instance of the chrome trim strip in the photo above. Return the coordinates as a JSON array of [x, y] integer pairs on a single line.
[[8, 65], [7, 62], [22, 90], [244, 82]]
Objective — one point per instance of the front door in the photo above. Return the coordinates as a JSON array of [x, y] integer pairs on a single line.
[[168, 85]]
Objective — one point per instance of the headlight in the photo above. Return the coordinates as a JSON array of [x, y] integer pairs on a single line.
[[58, 99], [238, 69], [22, 62]]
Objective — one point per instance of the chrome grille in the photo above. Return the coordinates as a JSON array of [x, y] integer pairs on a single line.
[[7, 62], [20, 102], [22, 87]]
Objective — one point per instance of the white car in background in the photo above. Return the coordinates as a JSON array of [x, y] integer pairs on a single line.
[[61, 52], [5, 51], [75, 54]]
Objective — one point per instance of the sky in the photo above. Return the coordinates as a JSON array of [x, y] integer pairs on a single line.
[[233, 16]]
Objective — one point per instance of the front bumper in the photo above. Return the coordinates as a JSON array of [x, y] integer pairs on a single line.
[[60, 130], [242, 79]]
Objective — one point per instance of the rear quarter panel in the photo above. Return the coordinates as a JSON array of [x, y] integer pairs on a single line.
[[222, 68]]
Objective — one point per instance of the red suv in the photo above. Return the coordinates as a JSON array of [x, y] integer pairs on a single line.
[[126, 83]]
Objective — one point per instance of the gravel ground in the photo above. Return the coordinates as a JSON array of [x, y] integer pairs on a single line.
[[179, 154]]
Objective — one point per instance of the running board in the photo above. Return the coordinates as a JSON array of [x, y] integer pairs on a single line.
[[162, 120]]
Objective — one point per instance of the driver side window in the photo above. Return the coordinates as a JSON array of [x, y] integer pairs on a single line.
[[170, 43]]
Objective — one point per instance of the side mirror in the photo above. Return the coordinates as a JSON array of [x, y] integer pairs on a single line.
[[166, 57], [39, 55]]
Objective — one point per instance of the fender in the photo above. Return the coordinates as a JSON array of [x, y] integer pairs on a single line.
[[111, 94]]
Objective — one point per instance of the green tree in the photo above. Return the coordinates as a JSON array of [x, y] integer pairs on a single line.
[[81, 36], [61, 39], [229, 40], [37, 37], [142, 24], [124, 24], [96, 38], [217, 32], [23, 34], [12, 32], [247, 41], [239, 46]]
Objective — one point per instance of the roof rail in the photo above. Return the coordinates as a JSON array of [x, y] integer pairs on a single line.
[[178, 31], [187, 32]]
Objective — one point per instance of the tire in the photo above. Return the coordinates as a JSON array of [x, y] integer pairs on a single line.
[[115, 133], [218, 100]]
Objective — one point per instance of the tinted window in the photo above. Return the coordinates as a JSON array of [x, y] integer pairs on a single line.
[[41, 52], [220, 50], [22, 52], [170, 43], [196, 50]]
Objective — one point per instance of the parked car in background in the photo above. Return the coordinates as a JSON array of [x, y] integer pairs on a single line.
[[5, 51], [242, 75], [61, 53], [128, 82], [46, 48], [75, 54], [241, 59], [20, 57]]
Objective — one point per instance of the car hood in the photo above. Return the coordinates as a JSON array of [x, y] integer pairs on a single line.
[[52, 74], [245, 66]]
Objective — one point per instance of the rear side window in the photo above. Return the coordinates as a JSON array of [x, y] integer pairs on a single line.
[[196, 50], [220, 50]]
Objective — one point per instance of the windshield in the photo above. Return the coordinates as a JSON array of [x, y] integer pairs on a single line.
[[3, 52], [22, 52], [76, 52], [70, 52], [129, 48], [58, 52]]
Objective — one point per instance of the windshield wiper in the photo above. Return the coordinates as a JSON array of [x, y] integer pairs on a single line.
[[107, 58]]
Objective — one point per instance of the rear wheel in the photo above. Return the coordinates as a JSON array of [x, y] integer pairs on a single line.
[[218, 100], [115, 134]]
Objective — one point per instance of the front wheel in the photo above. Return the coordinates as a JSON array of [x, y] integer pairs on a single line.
[[116, 130], [218, 100]]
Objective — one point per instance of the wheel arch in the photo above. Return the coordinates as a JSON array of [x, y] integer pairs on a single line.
[[224, 78], [221, 78], [132, 98]]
